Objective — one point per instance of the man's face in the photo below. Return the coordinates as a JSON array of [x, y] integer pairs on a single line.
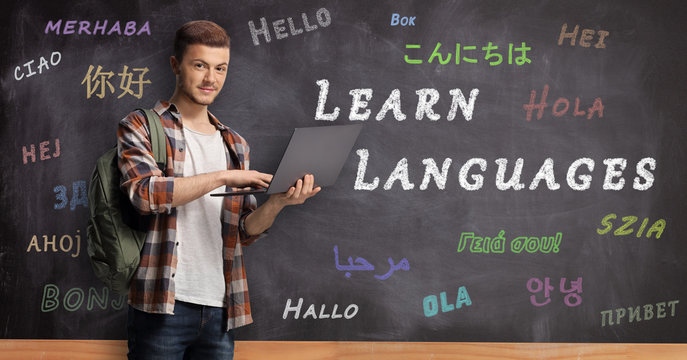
[[201, 73]]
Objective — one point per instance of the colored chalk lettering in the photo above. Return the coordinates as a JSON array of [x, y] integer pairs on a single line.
[[628, 226], [586, 36], [74, 299], [79, 196], [83, 27], [397, 19], [561, 106], [68, 244], [430, 304], [45, 151]]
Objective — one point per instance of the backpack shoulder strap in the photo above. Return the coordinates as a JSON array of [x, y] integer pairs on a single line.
[[157, 137]]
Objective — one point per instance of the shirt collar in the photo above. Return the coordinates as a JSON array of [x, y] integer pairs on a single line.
[[161, 106]]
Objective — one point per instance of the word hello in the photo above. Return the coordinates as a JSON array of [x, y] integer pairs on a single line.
[[79, 196], [497, 245], [657, 227], [430, 303], [397, 19], [350, 312], [560, 107], [55, 59], [323, 17], [587, 34], [635, 313], [74, 299], [43, 149], [84, 27], [66, 243]]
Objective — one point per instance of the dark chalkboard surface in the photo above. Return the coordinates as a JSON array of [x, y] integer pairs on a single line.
[[427, 235]]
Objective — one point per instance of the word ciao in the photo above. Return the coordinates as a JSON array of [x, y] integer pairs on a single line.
[[397, 19], [79, 196], [363, 265], [44, 151], [84, 27], [534, 285], [430, 304], [350, 312], [427, 98], [324, 18], [472, 180], [99, 81], [75, 297], [491, 54], [657, 227], [55, 59], [497, 245], [635, 313], [67, 244], [587, 34], [557, 110]]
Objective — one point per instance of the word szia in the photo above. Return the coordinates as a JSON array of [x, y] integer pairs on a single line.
[[323, 17], [636, 315], [55, 59], [66, 243], [490, 54], [430, 304], [497, 245], [657, 227], [74, 298], [587, 34], [534, 285], [85, 28], [43, 151], [612, 181], [100, 81], [397, 19], [557, 110], [350, 312], [427, 98]]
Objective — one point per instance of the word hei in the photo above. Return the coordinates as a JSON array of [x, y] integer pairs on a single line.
[[497, 245], [587, 34], [560, 106], [534, 285], [99, 81], [323, 17], [55, 59], [468, 54], [84, 27], [430, 304]]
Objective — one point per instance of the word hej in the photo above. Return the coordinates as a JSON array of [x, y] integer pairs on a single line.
[[635, 313], [534, 285], [130, 28], [587, 34], [397, 19], [497, 245], [430, 304], [74, 298], [657, 227], [322, 16], [79, 196], [560, 106], [100, 81], [44, 151], [363, 265], [466, 54], [350, 312], [55, 59], [66, 244]]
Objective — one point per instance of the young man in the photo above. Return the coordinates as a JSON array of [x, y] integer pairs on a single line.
[[190, 289]]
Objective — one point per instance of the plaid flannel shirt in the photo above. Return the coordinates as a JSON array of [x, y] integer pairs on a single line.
[[150, 191]]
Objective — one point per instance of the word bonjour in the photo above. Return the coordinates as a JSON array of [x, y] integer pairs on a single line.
[[350, 312], [497, 245], [130, 28], [100, 81], [43, 151], [587, 34], [613, 180], [79, 196], [558, 111], [635, 313], [323, 17], [55, 59], [363, 265], [534, 285], [397, 19], [430, 304], [66, 243], [657, 227], [75, 297], [490, 54]]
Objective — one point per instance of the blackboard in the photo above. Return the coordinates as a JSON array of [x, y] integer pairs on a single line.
[[416, 254]]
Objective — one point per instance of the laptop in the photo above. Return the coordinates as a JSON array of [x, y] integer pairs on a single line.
[[321, 151]]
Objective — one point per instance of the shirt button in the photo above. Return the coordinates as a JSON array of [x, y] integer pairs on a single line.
[[181, 149], [177, 243], [173, 275]]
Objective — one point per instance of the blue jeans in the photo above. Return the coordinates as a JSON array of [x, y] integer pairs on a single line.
[[193, 332]]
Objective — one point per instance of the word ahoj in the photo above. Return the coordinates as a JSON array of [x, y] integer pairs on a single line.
[[490, 54], [534, 285], [350, 312], [397, 19], [560, 107], [587, 34], [66, 244], [497, 245], [430, 304], [99, 81], [363, 265], [427, 98], [636, 315], [130, 28], [79, 196], [323, 17], [74, 298], [43, 151], [657, 227], [55, 59]]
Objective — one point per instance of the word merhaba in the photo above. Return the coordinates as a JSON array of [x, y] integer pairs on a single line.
[[613, 179], [635, 313], [75, 297], [67, 244], [130, 28], [350, 312]]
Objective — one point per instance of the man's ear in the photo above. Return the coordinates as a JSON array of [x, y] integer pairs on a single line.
[[175, 64]]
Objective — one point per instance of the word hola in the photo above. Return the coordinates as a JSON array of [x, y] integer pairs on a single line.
[[587, 34], [465, 54], [497, 245], [534, 285], [69, 28], [55, 59], [66, 244], [74, 299], [79, 196], [350, 312], [43, 151], [430, 303], [560, 107], [99, 81], [324, 18], [397, 19], [635, 313], [657, 227]]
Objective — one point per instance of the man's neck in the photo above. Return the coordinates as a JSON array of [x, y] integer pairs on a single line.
[[193, 115]]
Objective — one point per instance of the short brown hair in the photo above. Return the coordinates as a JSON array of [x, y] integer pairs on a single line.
[[199, 32]]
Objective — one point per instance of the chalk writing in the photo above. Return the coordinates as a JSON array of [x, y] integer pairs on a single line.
[[75, 297], [635, 313], [587, 34], [350, 312], [323, 17], [55, 59], [100, 81], [79, 196], [44, 151], [430, 304], [497, 244], [626, 228], [560, 106], [572, 299], [397, 19], [470, 54], [84, 27], [67, 244], [361, 264]]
